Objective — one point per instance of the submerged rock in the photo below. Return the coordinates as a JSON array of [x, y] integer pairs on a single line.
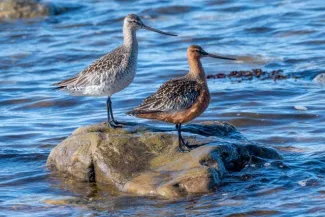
[[320, 78], [18, 9], [144, 160]]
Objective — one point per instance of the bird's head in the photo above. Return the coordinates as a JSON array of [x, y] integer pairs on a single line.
[[133, 22], [197, 52]]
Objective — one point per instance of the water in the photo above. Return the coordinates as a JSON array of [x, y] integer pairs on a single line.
[[271, 35]]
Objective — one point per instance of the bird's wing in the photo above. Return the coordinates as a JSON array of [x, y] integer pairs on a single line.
[[106, 66], [174, 95]]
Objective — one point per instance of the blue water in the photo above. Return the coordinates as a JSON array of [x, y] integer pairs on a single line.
[[271, 35]]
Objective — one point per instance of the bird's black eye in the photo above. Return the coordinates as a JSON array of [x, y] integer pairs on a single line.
[[135, 21], [198, 51]]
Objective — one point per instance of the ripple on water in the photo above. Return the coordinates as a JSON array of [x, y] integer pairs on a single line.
[[286, 35], [169, 10], [51, 104]]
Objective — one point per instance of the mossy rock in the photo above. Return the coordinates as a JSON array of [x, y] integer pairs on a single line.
[[28, 9], [144, 160]]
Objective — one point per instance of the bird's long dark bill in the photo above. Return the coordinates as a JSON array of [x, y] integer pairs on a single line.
[[156, 30], [219, 57]]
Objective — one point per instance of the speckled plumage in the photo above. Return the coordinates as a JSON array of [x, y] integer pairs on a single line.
[[112, 72], [175, 95], [180, 100], [106, 76]]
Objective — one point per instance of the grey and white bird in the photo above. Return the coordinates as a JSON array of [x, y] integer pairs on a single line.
[[113, 72]]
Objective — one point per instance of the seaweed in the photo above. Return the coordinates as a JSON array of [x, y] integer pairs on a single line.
[[241, 75]]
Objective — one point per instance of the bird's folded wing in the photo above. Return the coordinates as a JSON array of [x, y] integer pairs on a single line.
[[174, 95], [105, 67]]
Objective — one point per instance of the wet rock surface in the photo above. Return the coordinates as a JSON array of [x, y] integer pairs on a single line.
[[18, 9], [144, 160]]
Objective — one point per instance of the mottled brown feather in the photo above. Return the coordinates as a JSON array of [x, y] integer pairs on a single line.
[[176, 101], [183, 116], [174, 95], [182, 99]]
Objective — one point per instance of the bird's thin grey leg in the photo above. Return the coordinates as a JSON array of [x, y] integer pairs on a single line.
[[112, 117], [111, 112], [110, 122], [182, 142]]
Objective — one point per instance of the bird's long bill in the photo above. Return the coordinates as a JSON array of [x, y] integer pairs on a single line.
[[219, 57], [156, 30]]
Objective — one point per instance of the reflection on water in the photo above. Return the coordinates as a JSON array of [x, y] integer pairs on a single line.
[[272, 35]]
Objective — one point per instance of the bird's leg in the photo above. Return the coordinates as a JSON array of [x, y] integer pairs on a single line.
[[109, 124], [182, 142], [110, 119]]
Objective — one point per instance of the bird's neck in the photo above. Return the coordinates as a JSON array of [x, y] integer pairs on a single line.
[[130, 38], [196, 69]]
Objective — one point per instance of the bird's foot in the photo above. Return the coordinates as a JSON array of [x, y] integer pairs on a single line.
[[118, 122], [182, 150], [188, 147], [113, 125]]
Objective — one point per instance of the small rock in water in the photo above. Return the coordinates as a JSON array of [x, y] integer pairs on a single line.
[[320, 78], [301, 108], [61, 201], [302, 183], [267, 164], [18, 9]]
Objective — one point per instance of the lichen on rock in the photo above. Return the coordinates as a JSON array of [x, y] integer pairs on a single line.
[[19, 9], [144, 160]]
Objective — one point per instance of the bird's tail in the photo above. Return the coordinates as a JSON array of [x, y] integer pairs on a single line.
[[132, 113], [58, 87], [63, 84]]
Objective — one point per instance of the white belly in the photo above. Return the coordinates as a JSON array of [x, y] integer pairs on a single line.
[[108, 87], [109, 81]]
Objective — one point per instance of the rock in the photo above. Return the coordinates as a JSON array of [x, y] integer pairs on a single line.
[[19, 9], [301, 108], [144, 160], [320, 78]]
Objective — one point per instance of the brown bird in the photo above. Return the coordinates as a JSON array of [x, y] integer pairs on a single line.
[[182, 99]]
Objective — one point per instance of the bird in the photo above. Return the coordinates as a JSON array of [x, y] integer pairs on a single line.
[[112, 72], [181, 99]]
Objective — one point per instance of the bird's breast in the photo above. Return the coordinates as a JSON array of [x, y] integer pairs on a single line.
[[122, 78]]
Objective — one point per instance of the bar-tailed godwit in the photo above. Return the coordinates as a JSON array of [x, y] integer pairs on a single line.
[[182, 99], [112, 72]]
